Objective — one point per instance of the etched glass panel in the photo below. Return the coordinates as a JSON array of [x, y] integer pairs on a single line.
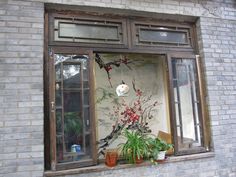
[[88, 31], [161, 36]]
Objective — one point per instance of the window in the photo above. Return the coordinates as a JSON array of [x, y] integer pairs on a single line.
[[154, 34], [77, 30], [186, 104], [71, 110], [89, 56]]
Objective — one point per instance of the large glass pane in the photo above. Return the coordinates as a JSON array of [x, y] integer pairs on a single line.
[[72, 125], [187, 105], [145, 75], [162, 36]]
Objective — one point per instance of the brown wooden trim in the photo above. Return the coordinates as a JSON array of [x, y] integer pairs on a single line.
[[172, 105], [52, 117], [160, 50], [92, 106], [204, 111], [128, 31], [46, 97]]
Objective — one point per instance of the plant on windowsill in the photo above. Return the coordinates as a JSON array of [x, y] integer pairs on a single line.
[[158, 148], [134, 115], [135, 149], [111, 157]]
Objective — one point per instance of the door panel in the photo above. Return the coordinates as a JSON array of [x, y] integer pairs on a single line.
[[71, 103]]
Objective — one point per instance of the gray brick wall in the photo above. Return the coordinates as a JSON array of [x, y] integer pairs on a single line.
[[21, 93], [21, 85]]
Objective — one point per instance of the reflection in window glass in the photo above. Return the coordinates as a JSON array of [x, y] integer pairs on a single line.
[[186, 104], [71, 127]]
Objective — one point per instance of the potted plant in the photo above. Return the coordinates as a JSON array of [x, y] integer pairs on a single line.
[[158, 148], [135, 148], [111, 157]]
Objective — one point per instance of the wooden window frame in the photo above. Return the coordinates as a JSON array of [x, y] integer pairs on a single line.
[[171, 26], [87, 17], [201, 94], [128, 46], [53, 165]]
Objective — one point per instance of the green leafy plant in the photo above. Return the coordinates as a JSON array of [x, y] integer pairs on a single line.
[[135, 147], [73, 123], [156, 145]]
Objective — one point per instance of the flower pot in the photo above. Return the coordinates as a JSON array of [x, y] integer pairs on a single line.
[[138, 160], [111, 158], [161, 155]]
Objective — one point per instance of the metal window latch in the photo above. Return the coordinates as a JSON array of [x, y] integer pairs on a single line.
[[52, 106]]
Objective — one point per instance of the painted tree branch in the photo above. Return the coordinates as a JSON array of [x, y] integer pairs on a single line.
[[132, 116], [108, 66]]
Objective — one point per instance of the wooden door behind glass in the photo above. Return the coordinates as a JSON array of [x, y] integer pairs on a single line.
[[73, 122]]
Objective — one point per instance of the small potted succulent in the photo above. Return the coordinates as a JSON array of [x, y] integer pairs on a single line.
[[136, 147], [158, 148]]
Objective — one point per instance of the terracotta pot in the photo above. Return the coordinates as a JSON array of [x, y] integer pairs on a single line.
[[111, 158], [138, 160]]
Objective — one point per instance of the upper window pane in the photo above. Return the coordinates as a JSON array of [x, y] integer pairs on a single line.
[[88, 31], [162, 36], [152, 35]]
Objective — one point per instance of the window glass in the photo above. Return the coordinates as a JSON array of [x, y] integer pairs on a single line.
[[187, 106], [140, 72], [72, 121], [88, 31], [161, 36], [154, 35]]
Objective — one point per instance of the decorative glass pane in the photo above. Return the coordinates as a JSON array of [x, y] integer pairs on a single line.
[[162, 36], [187, 105], [88, 31]]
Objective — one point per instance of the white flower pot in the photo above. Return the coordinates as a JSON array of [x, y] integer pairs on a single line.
[[161, 155]]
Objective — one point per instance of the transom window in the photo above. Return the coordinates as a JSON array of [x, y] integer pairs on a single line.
[[89, 56]]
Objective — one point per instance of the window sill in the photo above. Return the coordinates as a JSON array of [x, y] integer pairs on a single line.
[[103, 167]]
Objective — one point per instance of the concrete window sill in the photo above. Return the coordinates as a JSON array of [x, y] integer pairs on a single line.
[[103, 167]]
